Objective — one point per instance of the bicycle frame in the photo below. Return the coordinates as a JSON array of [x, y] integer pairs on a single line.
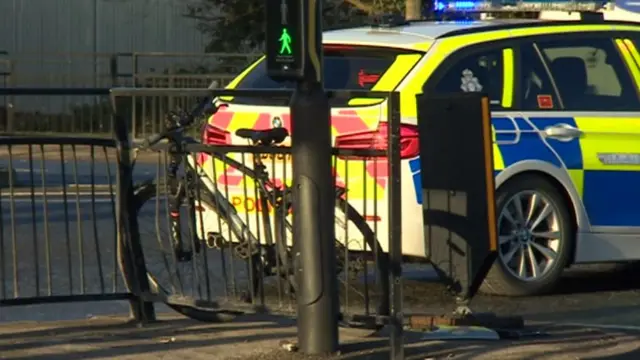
[[260, 175], [181, 188]]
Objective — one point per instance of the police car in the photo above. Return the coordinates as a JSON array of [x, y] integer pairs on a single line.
[[565, 104]]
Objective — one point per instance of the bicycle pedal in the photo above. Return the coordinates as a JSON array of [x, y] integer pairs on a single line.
[[215, 241], [242, 250]]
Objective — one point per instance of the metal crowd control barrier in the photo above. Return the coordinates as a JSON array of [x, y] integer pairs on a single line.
[[82, 111], [233, 217], [64, 218]]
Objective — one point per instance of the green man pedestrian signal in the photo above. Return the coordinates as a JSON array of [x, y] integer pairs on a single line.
[[285, 42], [285, 39]]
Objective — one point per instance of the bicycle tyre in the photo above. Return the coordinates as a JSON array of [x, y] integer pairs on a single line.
[[381, 258], [147, 192]]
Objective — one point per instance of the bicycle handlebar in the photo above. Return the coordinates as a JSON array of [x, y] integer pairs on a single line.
[[178, 121], [153, 139]]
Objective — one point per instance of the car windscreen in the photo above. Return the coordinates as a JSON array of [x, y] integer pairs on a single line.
[[345, 68]]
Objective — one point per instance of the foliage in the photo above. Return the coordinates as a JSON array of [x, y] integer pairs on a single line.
[[236, 26]]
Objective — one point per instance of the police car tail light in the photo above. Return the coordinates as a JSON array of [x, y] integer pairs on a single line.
[[214, 135], [378, 140]]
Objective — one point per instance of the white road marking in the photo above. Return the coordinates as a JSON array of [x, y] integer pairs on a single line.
[[57, 193], [84, 198], [70, 200], [601, 326]]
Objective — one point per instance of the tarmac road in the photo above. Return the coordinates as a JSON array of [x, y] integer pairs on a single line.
[[586, 295], [48, 172], [50, 246]]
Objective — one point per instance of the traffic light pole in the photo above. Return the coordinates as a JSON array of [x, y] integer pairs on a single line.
[[314, 199], [294, 53], [313, 220]]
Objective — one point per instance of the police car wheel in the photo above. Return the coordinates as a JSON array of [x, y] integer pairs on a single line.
[[534, 238]]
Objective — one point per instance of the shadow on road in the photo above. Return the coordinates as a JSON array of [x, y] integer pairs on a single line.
[[599, 278], [115, 338], [560, 343], [260, 337]]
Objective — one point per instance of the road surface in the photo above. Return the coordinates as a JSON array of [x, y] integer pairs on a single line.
[[48, 173], [584, 296], [261, 338], [48, 241]]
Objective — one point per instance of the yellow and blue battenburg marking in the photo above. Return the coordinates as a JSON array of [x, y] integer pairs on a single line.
[[609, 192], [600, 188], [414, 166]]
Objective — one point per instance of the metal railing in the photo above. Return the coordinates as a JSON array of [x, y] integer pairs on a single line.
[[236, 249], [233, 257], [184, 70], [65, 222], [138, 69], [79, 111]]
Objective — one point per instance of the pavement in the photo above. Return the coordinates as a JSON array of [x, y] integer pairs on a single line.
[[269, 338]]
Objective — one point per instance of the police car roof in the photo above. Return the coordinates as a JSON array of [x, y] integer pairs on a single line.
[[414, 32]]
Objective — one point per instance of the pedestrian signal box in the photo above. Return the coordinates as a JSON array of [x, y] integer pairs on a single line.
[[285, 39], [458, 188]]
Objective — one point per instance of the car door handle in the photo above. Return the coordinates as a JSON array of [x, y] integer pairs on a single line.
[[563, 132]]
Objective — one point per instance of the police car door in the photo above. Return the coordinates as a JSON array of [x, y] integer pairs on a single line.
[[488, 68], [577, 90]]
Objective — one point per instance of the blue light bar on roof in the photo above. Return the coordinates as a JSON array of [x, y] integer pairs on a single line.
[[516, 6], [458, 5]]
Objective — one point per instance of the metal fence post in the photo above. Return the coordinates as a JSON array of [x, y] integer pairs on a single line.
[[130, 255], [9, 100], [113, 72], [395, 225], [134, 115]]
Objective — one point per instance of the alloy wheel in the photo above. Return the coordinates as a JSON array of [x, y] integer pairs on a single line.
[[529, 231]]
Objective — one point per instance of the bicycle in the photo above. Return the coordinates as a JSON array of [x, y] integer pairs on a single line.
[[273, 257]]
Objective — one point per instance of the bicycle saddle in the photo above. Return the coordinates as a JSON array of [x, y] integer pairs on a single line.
[[264, 137]]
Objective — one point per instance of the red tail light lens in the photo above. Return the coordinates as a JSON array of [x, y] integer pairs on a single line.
[[213, 135], [378, 140]]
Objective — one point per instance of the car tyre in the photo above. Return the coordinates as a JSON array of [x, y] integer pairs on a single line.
[[504, 278]]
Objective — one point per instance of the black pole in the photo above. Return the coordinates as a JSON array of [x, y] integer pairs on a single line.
[[395, 223], [130, 257], [314, 198]]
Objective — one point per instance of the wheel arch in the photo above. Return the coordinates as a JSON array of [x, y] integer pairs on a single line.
[[560, 179]]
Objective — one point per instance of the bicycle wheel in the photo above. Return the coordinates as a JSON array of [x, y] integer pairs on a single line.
[[345, 214], [189, 286]]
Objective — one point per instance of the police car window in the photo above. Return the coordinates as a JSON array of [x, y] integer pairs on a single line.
[[346, 68], [589, 74], [479, 72], [536, 89]]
